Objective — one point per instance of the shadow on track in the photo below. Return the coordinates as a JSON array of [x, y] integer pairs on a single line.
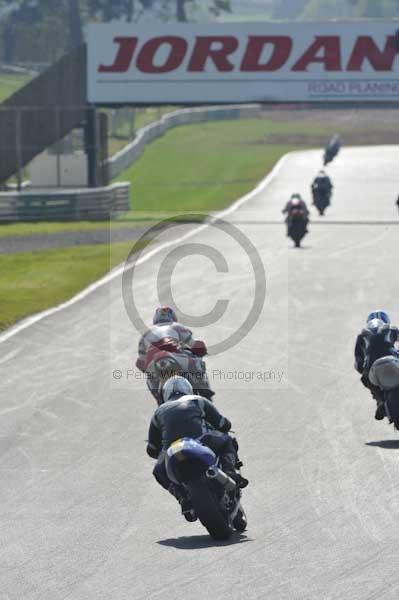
[[194, 542], [387, 444]]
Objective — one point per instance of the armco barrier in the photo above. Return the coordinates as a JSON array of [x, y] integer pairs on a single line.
[[128, 155], [65, 205], [104, 203]]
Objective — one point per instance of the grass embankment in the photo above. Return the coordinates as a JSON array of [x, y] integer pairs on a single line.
[[32, 282], [203, 168]]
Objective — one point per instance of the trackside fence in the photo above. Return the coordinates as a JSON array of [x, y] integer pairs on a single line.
[[96, 204]]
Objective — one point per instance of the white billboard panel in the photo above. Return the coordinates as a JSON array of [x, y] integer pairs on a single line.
[[243, 62]]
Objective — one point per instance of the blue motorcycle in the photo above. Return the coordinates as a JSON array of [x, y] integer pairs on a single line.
[[215, 497]]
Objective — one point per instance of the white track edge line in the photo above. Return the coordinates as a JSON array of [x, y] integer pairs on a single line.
[[116, 272]]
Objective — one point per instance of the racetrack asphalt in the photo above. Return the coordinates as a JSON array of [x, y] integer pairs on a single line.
[[81, 516]]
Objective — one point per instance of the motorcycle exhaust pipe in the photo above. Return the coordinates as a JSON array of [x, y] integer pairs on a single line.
[[222, 478]]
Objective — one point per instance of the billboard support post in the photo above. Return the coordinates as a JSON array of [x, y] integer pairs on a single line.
[[91, 146], [18, 147]]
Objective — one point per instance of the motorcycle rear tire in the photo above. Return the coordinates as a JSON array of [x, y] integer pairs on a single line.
[[208, 510]]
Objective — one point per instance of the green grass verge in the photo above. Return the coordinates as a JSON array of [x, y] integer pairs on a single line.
[[32, 282], [205, 167], [10, 84]]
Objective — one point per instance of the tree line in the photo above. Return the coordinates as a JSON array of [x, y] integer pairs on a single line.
[[337, 9], [41, 30]]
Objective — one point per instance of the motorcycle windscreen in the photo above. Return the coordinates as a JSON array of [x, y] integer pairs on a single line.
[[186, 458]]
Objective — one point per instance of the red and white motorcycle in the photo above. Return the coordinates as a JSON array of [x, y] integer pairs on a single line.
[[167, 357]]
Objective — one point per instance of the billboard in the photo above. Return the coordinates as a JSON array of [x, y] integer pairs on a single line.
[[218, 63]]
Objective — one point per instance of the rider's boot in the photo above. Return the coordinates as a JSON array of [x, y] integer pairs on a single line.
[[380, 412], [378, 396], [180, 494], [228, 464]]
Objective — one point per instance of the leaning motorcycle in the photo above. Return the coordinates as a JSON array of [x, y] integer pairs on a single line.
[[297, 224], [214, 496], [384, 374], [332, 149]]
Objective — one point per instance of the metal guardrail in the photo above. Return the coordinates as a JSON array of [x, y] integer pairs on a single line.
[[128, 155], [65, 205]]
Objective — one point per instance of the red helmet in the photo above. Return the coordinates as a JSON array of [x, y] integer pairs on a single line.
[[164, 314]]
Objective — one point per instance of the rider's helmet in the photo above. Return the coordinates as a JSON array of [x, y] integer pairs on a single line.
[[296, 197], [374, 325], [379, 314], [164, 314], [175, 388]]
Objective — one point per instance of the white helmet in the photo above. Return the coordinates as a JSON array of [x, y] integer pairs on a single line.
[[374, 325], [175, 387]]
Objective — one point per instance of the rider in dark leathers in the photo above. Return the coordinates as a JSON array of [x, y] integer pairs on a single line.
[[375, 341], [296, 202], [322, 185], [186, 415]]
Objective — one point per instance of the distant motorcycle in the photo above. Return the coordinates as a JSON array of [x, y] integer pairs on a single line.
[[297, 225], [321, 199], [384, 374], [215, 497], [332, 149]]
